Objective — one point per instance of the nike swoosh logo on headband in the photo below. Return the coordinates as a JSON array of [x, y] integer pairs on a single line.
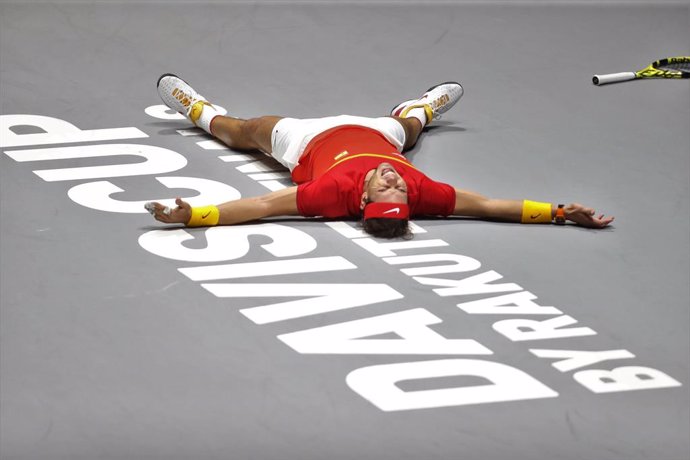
[[395, 210]]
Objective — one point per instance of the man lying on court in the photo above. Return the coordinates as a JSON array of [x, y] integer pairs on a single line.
[[348, 166]]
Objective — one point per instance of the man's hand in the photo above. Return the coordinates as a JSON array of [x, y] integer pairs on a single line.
[[585, 216], [180, 215]]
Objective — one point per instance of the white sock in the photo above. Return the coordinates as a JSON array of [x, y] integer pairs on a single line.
[[207, 115], [419, 114]]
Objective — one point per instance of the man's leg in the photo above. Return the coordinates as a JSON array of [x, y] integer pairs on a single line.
[[252, 134], [413, 129], [415, 114]]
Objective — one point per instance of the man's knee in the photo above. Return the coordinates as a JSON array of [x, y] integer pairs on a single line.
[[259, 131], [412, 130], [251, 127]]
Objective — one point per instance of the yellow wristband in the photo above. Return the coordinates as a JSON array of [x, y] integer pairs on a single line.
[[204, 216], [534, 212]]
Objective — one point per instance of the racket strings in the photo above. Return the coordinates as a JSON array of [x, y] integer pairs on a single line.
[[675, 65]]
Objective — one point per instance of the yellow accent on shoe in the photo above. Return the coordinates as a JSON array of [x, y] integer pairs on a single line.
[[195, 110], [428, 111]]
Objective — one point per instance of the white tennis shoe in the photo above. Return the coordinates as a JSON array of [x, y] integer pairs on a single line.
[[179, 96], [436, 101]]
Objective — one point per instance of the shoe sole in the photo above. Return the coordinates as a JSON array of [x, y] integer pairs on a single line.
[[158, 83]]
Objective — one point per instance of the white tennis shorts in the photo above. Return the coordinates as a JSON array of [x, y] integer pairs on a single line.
[[291, 135]]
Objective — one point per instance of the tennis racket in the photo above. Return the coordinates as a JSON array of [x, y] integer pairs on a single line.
[[673, 67]]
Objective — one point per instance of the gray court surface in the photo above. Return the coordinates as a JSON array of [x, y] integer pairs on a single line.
[[304, 339]]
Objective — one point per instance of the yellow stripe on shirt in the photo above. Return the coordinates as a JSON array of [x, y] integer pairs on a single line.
[[377, 155]]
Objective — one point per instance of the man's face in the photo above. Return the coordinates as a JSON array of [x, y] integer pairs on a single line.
[[384, 184]]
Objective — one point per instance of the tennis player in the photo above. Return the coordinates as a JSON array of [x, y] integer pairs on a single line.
[[348, 167]]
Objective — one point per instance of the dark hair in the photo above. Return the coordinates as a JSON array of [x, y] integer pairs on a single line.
[[387, 228]]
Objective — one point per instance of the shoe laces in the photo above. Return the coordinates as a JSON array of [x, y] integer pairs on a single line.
[[183, 97]]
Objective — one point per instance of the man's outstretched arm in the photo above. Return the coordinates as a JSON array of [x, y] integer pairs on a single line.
[[278, 203], [472, 204]]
